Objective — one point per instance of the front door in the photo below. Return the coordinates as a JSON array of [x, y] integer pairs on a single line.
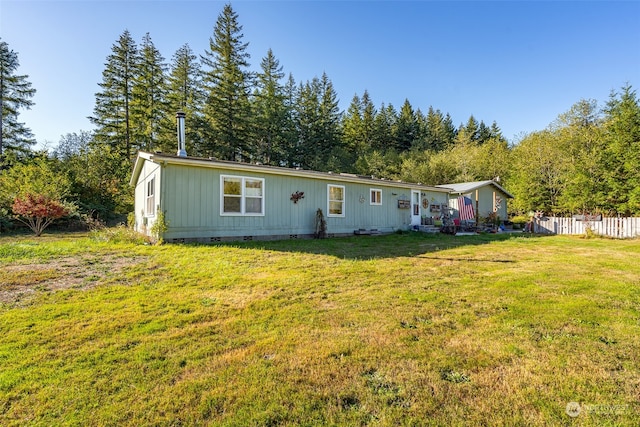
[[415, 207]]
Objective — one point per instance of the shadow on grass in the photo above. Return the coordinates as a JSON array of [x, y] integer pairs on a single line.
[[406, 244]]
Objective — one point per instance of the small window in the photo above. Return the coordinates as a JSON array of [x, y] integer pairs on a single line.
[[151, 198], [335, 200], [242, 196], [376, 196]]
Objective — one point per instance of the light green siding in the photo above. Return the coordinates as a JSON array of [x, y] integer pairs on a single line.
[[191, 200], [144, 220], [486, 200]]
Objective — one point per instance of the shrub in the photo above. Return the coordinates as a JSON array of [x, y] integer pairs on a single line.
[[119, 234]]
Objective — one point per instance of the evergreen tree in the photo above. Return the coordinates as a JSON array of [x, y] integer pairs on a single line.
[[622, 153], [496, 132], [15, 93], [352, 129], [384, 125], [368, 122], [227, 83], [421, 141], [148, 108], [185, 94], [308, 125], [484, 133], [470, 130], [358, 129], [290, 133], [440, 131], [330, 118], [112, 112], [406, 128], [271, 113]]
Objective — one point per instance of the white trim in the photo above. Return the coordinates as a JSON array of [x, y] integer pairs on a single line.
[[416, 204], [242, 196], [329, 200], [150, 198], [371, 192]]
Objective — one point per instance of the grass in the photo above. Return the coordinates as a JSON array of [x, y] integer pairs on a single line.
[[388, 330]]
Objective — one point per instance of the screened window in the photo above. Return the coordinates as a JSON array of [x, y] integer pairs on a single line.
[[336, 200], [376, 196], [242, 195], [151, 198]]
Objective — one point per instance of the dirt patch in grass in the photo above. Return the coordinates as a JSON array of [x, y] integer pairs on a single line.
[[20, 281]]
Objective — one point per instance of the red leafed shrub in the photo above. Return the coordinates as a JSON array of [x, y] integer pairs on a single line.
[[37, 211]]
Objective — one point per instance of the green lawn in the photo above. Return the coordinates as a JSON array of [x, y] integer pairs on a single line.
[[406, 329]]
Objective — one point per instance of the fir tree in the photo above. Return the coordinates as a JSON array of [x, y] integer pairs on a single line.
[[227, 83], [270, 113], [622, 153], [148, 103], [330, 117], [185, 94], [291, 139], [112, 112], [15, 93]]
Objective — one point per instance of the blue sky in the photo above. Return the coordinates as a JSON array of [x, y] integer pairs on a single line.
[[518, 63]]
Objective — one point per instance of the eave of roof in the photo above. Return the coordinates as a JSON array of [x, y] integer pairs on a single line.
[[464, 187], [275, 170]]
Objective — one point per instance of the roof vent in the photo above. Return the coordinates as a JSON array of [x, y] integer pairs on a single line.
[[182, 152]]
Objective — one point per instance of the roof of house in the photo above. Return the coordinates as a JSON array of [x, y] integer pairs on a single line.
[[466, 187], [275, 170]]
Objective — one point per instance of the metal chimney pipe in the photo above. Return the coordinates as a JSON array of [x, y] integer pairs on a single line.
[[182, 152]]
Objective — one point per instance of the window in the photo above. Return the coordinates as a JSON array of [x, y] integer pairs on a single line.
[[242, 195], [336, 200], [376, 196], [151, 198]]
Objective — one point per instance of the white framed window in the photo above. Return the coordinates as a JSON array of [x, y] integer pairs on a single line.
[[241, 195], [376, 196], [335, 200], [151, 197]]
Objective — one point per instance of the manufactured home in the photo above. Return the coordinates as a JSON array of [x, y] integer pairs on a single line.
[[210, 200], [486, 197]]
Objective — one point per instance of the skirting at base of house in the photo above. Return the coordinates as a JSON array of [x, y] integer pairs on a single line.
[[249, 238]]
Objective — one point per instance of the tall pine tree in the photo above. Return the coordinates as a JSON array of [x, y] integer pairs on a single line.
[[112, 112], [228, 84], [406, 128], [185, 93], [148, 103], [271, 113], [622, 154], [15, 93]]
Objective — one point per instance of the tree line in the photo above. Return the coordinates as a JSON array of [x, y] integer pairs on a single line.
[[588, 160]]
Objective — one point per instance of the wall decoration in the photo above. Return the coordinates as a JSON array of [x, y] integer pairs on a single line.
[[298, 195]]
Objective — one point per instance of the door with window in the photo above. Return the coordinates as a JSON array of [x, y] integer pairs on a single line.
[[415, 207]]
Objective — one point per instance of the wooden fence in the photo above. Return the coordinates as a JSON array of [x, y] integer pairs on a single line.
[[620, 228]]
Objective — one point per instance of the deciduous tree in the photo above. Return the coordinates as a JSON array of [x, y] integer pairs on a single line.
[[38, 211]]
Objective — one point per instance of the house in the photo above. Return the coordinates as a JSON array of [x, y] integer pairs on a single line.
[[486, 197], [209, 200]]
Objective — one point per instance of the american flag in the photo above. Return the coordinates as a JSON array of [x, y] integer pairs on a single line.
[[465, 208]]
